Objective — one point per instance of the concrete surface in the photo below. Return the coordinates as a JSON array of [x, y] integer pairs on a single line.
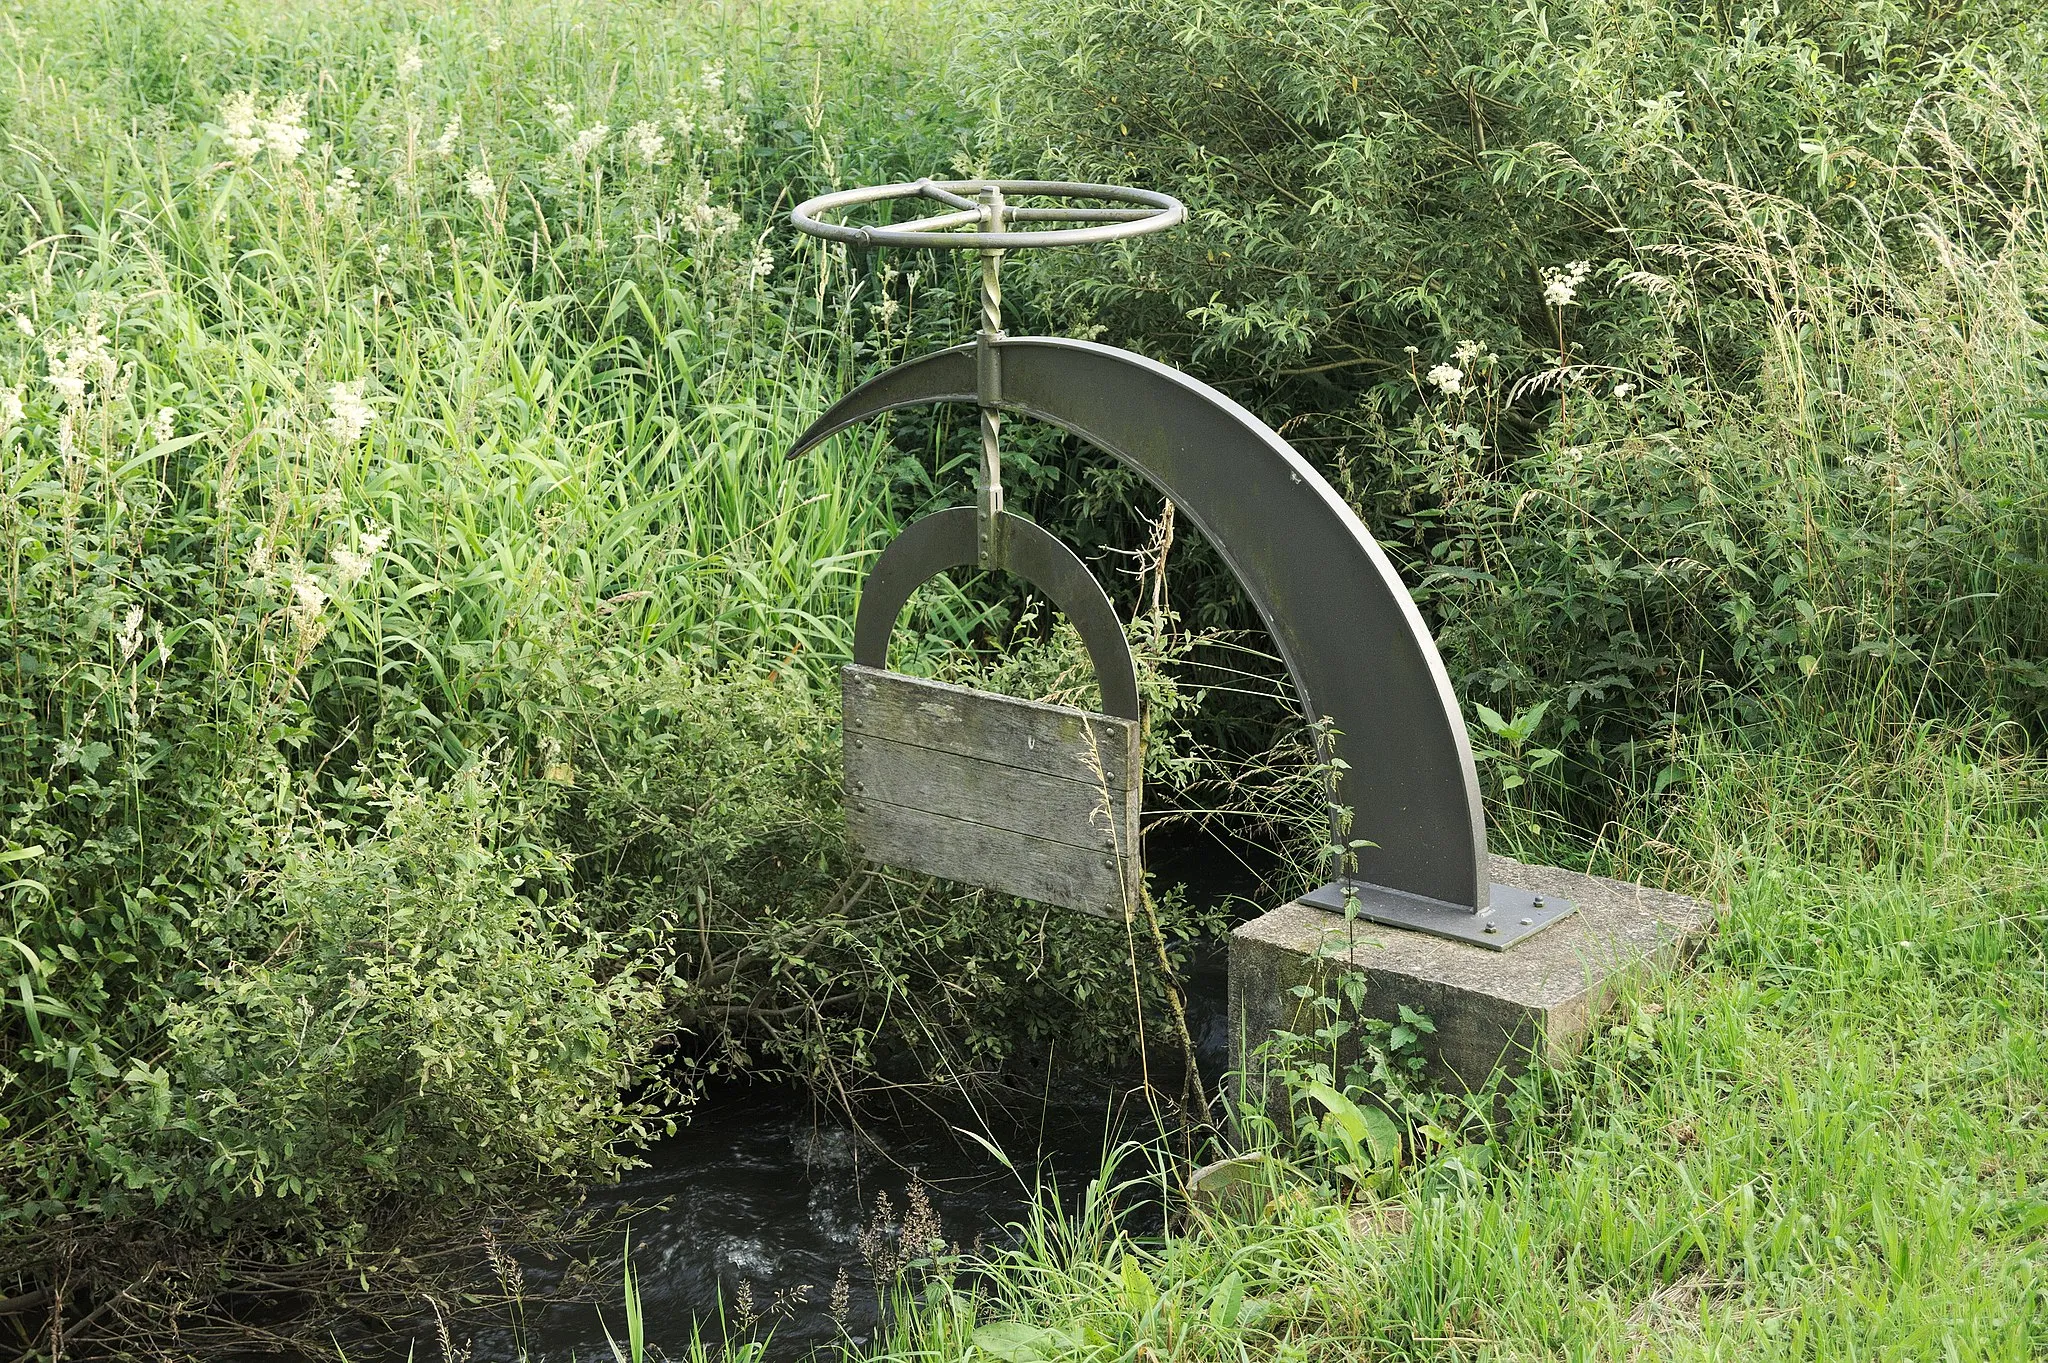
[[1493, 1010]]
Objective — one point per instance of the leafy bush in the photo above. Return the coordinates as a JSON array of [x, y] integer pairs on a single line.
[[1689, 360], [408, 1014]]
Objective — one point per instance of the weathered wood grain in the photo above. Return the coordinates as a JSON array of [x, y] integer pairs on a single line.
[[1076, 812], [1027, 734], [1039, 801], [995, 858]]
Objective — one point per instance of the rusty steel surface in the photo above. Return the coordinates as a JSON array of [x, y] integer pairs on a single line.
[[1359, 652], [948, 539]]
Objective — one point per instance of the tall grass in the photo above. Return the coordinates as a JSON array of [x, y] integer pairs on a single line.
[[1823, 1142]]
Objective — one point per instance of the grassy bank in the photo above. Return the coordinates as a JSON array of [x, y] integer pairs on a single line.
[[417, 752], [1825, 1141], [417, 747]]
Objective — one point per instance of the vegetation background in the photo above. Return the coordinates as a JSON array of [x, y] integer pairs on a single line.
[[416, 764]]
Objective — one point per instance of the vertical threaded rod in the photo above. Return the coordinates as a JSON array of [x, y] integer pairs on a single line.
[[989, 385]]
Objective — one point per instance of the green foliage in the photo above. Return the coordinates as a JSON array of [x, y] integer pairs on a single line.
[[401, 1014], [1687, 359], [416, 740], [1821, 1142]]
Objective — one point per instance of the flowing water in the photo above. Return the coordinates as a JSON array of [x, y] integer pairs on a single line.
[[766, 1199]]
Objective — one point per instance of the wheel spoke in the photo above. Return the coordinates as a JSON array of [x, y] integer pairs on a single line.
[[1138, 213]]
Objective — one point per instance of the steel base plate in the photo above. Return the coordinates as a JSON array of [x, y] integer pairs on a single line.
[[1513, 915]]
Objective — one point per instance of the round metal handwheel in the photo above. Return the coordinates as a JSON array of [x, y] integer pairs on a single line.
[[984, 208]]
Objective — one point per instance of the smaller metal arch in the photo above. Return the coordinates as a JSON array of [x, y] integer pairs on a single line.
[[948, 539]]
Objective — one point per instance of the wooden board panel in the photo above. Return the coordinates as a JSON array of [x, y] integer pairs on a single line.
[[992, 791], [1017, 733]]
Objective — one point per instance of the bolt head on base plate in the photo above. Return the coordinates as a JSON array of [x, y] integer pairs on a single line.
[[1511, 915]]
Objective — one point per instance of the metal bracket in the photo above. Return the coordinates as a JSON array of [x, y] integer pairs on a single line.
[[1511, 914]]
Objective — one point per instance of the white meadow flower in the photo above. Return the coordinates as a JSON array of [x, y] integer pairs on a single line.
[[130, 637], [712, 77], [1448, 378], [764, 263], [284, 128], [10, 409], [563, 116], [343, 192], [451, 132], [480, 185], [648, 144], [1468, 351], [588, 141], [80, 359], [1561, 287], [352, 565], [23, 325], [409, 63], [238, 125], [165, 425], [1622, 390], [351, 414], [309, 599]]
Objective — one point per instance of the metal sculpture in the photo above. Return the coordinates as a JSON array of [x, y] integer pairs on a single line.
[[1359, 653]]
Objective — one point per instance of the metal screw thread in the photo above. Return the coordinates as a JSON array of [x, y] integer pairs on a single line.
[[989, 489]]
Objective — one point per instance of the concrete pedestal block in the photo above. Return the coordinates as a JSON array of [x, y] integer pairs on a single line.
[[1493, 1010]]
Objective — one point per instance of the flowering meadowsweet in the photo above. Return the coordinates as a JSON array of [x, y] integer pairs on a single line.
[[238, 125], [1468, 351], [588, 141], [451, 133], [248, 129], [351, 414], [712, 77], [284, 128], [10, 409], [480, 185], [165, 424], [764, 263], [648, 144], [1561, 287], [309, 600], [130, 637], [409, 63], [352, 565], [79, 360], [1622, 390], [563, 116], [343, 192], [1448, 378], [23, 325]]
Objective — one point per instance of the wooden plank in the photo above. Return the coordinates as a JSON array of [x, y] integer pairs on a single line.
[[992, 791], [994, 858], [1078, 813], [1026, 734]]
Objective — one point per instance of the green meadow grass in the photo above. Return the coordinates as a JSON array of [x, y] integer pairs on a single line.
[[1828, 1139]]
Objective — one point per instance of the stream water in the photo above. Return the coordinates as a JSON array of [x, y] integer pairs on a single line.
[[769, 1194]]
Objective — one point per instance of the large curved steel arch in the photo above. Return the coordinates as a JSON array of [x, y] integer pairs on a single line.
[[1347, 628]]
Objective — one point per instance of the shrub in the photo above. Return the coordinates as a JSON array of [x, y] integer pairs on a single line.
[[1687, 360]]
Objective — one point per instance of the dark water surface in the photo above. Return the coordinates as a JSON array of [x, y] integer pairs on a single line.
[[768, 1190], [765, 1191]]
